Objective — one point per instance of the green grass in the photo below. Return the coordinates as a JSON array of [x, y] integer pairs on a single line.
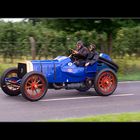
[[129, 69], [122, 117], [3, 67], [133, 76]]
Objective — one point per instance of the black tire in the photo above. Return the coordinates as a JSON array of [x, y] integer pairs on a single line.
[[30, 85], [105, 82], [4, 85]]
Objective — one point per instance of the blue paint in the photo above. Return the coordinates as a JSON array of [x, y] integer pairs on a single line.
[[61, 69]]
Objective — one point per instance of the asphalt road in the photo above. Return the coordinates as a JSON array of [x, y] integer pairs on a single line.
[[59, 104]]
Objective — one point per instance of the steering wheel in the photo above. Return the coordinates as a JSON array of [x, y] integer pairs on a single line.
[[71, 52], [75, 56]]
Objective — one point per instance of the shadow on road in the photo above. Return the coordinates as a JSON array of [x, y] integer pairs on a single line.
[[53, 94]]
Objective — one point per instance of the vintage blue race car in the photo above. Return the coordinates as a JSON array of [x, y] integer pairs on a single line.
[[33, 78]]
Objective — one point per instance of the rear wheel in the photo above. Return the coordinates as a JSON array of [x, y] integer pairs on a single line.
[[9, 82], [34, 86], [105, 82]]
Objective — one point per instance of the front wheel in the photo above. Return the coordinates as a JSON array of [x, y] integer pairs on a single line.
[[34, 86], [105, 82]]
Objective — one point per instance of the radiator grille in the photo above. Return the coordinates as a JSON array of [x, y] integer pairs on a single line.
[[22, 69]]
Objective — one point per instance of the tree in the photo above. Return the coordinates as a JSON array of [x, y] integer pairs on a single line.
[[109, 26]]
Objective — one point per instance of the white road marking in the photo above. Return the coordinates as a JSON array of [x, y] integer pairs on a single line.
[[123, 95], [77, 98]]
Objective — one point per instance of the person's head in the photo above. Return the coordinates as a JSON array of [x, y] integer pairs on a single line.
[[79, 44], [92, 47]]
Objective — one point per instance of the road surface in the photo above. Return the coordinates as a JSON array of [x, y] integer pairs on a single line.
[[59, 104]]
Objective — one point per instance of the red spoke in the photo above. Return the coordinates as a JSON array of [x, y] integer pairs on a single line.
[[35, 78], [29, 83], [40, 85], [28, 87]]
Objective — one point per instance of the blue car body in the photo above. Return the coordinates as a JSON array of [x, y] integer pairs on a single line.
[[62, 69]]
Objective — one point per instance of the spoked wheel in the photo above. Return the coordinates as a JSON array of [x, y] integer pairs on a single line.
[[33, 86], [105, 82], [10, 82]]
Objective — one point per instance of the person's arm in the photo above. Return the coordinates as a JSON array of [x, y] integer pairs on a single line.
[[74, 51], [95, 58], [87, 63], [92, 61]]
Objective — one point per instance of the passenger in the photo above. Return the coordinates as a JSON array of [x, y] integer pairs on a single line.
[[92, 56]]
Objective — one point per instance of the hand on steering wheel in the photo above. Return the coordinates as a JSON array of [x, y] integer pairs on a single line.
[[74, 51]]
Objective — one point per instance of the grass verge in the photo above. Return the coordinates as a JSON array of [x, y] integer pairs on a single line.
[[3, 67], [133, 76], [121, 117]]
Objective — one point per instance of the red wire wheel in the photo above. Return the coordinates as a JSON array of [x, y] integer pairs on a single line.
[[34, 86], [105, 82]]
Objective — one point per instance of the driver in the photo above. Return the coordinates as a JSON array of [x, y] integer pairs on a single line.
[[80, 53]]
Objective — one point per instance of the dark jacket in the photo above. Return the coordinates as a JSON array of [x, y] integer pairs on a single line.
[[92, 57], [83, 51]]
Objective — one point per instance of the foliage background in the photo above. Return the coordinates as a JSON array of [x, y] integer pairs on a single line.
[[120, 38]]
